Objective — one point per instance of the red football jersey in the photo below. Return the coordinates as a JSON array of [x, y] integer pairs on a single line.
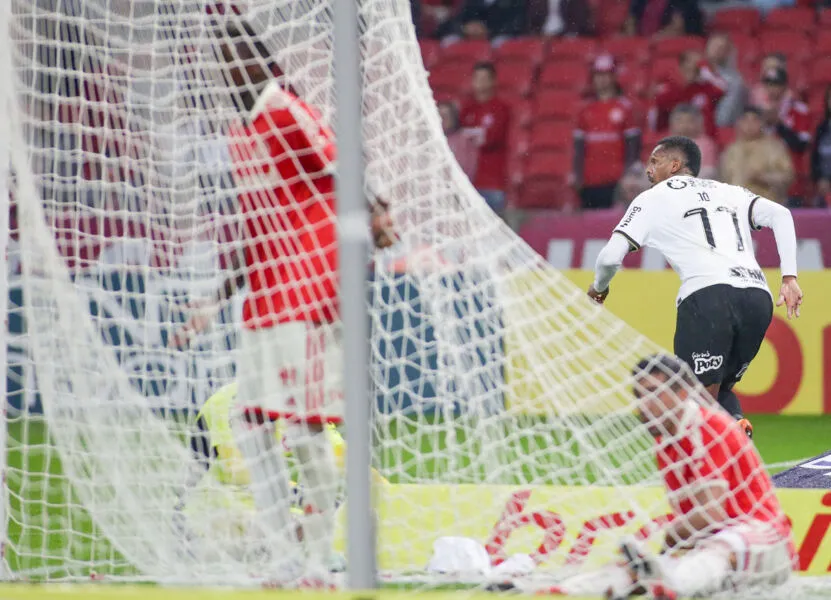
[[284, 169], [603, 125], [494, 118], [704, 94], [713, 449]]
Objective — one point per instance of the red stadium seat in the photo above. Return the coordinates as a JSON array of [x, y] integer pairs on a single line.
[[674, 46], [567, 76], [468, 51], [609, 21], [430, 50], [555, 105], [628, 50], [822, 46], [816, 102], [634, 79], [726, 136], [515, 74], [736, 20], [571, 48], [551, 135], [791, 19], [648, 143], [665, 70], [820, 72], [450, 78], [529, 49], [747, 47], [794, 45], [825, 19], [521, 113]]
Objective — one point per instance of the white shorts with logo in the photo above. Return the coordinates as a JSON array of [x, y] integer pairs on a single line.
[[292, 371], [763, 556]]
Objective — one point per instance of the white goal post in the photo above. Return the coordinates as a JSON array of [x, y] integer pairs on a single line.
[[502, 408]]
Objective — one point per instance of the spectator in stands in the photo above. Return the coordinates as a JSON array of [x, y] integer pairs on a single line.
[[766, 5], [462, 145], [821, 155], [486, 119], [496, 20], [759, 93], [664, 18], [607, 138], [721, 55], [436, 17], [789, 119], [757, 160], [687, 120], [701, 87], [560, 17]]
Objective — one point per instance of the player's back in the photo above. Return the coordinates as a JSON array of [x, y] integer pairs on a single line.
[[703, 229]]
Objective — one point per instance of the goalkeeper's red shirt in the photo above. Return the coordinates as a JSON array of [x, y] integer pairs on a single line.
[[283, 159], [712, 449]]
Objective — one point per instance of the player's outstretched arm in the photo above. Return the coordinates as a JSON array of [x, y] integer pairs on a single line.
[[708, 511], [608, 262], [764, 213]]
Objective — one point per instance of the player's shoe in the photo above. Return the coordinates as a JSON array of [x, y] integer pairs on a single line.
[[746, 426]]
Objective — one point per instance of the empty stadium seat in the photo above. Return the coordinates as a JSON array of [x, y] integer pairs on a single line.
[[791, 19], [567, 76], [430, 50], [515, 75], [820, 72], [551, 135], [555, 105], [674, 46], [825, 19], [450, 78], [571, 48], [530, 49], [521, 113], [634, 79], [629, 50], [609, 21], [467, 51], [742, 19], [793, 44], [665, 70], [822, 46]]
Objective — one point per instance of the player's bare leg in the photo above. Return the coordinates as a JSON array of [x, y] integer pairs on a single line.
[[319, 475], [270, 485], [730, 402]]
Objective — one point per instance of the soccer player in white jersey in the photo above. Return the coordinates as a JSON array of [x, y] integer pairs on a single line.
[[702, 228], [290, 353]]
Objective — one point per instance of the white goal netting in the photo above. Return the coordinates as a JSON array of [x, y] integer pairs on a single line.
[[503, 406]]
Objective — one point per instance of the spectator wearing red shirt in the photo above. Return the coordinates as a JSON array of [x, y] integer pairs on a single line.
[[607, 138], [790, 120], [486, 119], [701, 88]]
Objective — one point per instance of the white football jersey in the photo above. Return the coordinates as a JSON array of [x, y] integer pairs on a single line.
[[702, 227]]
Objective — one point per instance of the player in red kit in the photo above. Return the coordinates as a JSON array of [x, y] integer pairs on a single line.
[[290, 356], [728, 529], [606, 140]]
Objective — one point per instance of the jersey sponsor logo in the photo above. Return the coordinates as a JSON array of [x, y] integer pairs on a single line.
[[704, 361], [746, 273], [676, 185], [628, 219]]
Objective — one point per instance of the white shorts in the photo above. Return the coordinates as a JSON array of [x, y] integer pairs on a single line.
[[292, 371], [764, 556]]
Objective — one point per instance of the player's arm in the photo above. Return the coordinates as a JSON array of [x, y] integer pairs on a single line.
[[765, 213], [707, 499], [630, 234]]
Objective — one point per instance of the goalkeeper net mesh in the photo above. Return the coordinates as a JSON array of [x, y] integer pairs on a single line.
[[502, 399]]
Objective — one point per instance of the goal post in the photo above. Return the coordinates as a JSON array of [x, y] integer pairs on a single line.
[[500, 417]]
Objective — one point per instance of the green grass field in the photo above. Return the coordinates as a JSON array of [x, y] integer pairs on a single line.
[[42, 517]]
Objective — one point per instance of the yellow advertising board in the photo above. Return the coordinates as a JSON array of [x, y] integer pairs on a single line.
[[557, 525], [791, 374]]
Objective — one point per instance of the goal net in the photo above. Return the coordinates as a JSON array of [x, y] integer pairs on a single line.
[[503, 410]]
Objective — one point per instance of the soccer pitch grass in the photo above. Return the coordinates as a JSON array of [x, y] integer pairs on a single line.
[[37, 487]]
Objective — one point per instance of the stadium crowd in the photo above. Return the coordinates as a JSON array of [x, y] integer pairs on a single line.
[[555, 104]]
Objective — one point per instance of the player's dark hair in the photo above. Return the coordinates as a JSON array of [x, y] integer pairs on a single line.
[[675, 371], [485, 65], [688, 148]]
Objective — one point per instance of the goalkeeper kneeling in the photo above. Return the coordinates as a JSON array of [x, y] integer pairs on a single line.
[[235, 505], [728, 530]]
